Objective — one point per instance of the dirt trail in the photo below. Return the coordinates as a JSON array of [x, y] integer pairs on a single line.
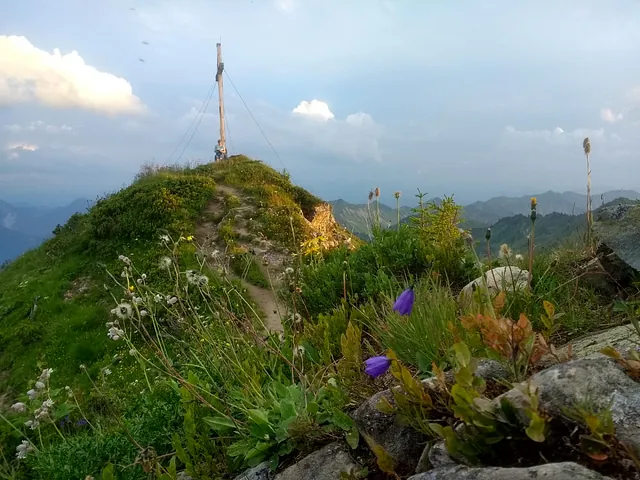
[[207, 237]]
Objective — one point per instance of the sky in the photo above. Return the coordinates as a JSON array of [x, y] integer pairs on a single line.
[[475, 99]]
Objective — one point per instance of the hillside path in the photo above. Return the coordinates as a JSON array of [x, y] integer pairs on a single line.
[[207, 238]]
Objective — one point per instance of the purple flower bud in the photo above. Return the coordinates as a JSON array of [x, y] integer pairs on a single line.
[[376, 366], [404, 303]]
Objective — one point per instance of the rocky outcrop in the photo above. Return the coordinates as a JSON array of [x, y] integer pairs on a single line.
[[323, 224], [618, 228], [498, 279], [598, 384], [403, 443], [551, 471]]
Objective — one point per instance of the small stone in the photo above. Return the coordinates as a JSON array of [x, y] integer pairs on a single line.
[[259, 472], [327, 463]]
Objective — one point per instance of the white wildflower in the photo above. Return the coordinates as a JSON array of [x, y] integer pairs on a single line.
[[32, 394], [46, 373], [137, 300], [110, 324], [192, 277], [143, 313], [125, 260], [172, 300], [48, 403], [165, 238], [23, 449], [115, 333], [123, 311], [41, 413], [106, 371], [18, 407], [165, 263], [158, 298], [519, 257], [39, 385], [214, 254], [298, 351], [139, 281], [203, 280], [288, 270], [132, 352], [143, 276], [32, 424]]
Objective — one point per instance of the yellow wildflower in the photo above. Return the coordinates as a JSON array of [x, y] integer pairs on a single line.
[[131, 288], [189, 238], [534, 202]]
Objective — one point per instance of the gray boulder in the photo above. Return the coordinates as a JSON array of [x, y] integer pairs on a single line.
[[328, 463], [550, 471], [596, 383], [618, 227]]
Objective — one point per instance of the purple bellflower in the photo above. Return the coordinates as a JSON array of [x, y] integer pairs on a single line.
[[376, 366], [404, 302]]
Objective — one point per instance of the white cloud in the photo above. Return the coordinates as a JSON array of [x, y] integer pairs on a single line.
[[22, 146], [610, 116], [31, 75], [359, 119], [316, 109], [38, 125], [285, 6], [557, 135]]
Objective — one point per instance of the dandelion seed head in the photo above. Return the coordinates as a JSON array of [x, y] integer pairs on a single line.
[[123, 311], [288, 270], [165, 263]]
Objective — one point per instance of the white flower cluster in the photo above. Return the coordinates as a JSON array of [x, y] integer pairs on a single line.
[[196, 278], [23, 449], [41, 412]]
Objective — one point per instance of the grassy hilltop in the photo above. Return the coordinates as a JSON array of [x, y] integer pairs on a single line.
[[207, 319]]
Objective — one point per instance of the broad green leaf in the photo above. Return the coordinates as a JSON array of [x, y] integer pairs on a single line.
[[536, 429], [260, 417], [219, 424], [463, 356], [107, 472]]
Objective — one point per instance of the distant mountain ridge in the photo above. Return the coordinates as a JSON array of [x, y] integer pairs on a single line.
[[479, 214], [24, 227], [570, 203], [357, 218]]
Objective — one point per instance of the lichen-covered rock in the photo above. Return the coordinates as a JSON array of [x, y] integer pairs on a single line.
[[598, 383], [328, 463], [402, 442], [259, 472], [550, 471], [622, 338], [498, 279], [618, 227]]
